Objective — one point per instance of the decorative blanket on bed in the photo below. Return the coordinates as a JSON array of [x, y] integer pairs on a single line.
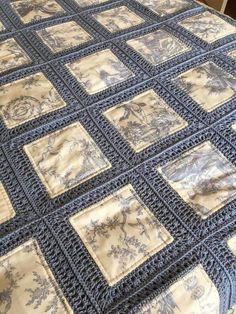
[[117, 157]]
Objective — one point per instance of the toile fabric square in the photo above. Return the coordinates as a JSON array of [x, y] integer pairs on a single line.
[[203, 177], [158, 47], [118, 19], [144, 120], [232, 54], [12, 55], [163, 8], [36, 10], [231, 242], [208, 26], [194, 293], [123, 237], [28, 98], [99, 71], [207, 84], [66, 158], [6, 209], [64, 36], [28, 283], [87, 3], [2, 28]]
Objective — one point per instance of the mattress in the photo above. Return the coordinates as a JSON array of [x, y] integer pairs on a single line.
[[117, 157]]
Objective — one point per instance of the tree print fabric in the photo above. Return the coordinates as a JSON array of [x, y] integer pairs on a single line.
[[86, 3], [6, 210], [208, 84], [158, 47], [64, 36], [163, 8], [123, 237], [117, 19], [28, 98], [144, 120], [193, 293], [203, 177], [232, 244], [12, 55], [232, 54], [208, 26], [27, 284], [35, 10], [66, 158], [99, 71]]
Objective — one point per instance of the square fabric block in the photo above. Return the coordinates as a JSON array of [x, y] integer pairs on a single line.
[[99, 71], [28, 98], [63, 36], [232, 54], [120, 233], [12, 55], [158, 47], [193, 293], [66, 158], [208, 84], [2, 28], [165, 7], [35, 10], [117, 19], [232, 244], [86, 3], [27, 283], [203, 177], [144, 120], [6, 210], [207, 26]]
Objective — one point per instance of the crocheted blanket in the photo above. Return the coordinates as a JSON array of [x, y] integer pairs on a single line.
[[117, 157]]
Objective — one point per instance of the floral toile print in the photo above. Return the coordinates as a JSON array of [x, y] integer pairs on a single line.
[[6, 210], [35, 10], [63, 36], [2, 28], [66, 158], [28, 98], [27, 284], [99, 71], [166, 7], [193, 293], [232, 244], [208, 84], [12, 55], [158, 47], [144, 120], [232, 54], [86, 3], [208, 26], [118, 19], [123, 237], [203, 177]]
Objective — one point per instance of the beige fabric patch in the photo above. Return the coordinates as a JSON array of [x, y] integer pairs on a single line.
[[120, 233], [208, 26], [203, 177], [29, 283], [86, 3], [66, 158], [144, 120], [232, 310], [28, 98], [99, 71], [193, 293], [2, 28], [232, 54], [64, 36], [232, 244], [12, 55], [35, 10], [208, 84], [158, 47], [6, 210], [234, 127], [117, 19], [163, 8]]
